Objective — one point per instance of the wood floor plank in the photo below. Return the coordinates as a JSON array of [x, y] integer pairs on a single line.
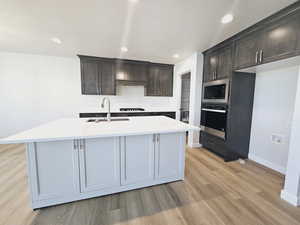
[[213, 193]]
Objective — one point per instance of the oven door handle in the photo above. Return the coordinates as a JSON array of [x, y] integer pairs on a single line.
[[214, 110]]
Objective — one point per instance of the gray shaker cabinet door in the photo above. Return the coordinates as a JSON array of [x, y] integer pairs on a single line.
[[137, 159], [169, 155], [99, 164], [54, 170]]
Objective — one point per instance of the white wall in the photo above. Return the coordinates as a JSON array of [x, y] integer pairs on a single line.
[[35, 89], [273, 109], [194, 65], [291, 192]]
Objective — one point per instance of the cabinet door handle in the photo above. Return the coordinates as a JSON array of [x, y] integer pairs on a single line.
[[153, 138], [256, 57], [75, 144], [81, 147], [97, 87], [157, 138], [261, 56]]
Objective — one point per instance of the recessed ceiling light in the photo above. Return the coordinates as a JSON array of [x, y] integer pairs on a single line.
[[176, 56], [56, 40], [227, 18], [133, 1], [124, 49]]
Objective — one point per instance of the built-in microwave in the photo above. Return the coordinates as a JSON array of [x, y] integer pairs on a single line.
[[216, 91]]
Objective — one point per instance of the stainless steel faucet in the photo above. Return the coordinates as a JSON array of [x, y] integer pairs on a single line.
[[102, 106]]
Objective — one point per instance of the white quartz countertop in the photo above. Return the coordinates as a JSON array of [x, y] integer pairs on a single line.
[[75, 128], [119, 111]]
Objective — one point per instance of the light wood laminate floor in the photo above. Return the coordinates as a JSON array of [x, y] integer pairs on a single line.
[[213, 193]]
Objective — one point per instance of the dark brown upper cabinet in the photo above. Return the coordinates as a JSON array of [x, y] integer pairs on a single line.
[[218, 64], [210, 66], [224, 69], [108, 78], [132, 71], [97, 76], [90, 78], [248, 50], [160, 80], [274, 38], [282, 39]]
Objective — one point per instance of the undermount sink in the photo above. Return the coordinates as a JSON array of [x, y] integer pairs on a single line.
[[105, 120]]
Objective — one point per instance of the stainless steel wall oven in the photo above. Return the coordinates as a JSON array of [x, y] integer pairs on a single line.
[[214, 120]]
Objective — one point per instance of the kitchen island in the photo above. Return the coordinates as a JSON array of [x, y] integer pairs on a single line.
[[73, 159]]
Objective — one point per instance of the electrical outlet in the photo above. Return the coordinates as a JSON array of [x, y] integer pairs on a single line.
[[277, 139]]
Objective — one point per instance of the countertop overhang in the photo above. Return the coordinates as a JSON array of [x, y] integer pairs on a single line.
[[78, 128]]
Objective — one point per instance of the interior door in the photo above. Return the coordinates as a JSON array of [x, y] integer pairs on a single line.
[[282, 40], [185, 97], [137, 159], [99, 164], [169, 154]]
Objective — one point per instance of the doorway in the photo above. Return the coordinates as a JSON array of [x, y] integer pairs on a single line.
[[185, 97]]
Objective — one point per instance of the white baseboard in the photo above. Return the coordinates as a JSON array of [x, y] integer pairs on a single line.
[[292, 199], [267, 163], [195, 145]]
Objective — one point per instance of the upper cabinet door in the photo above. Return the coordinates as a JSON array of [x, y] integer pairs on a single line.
[[282, 40], [97, 76], [206, 68], [166, 81], [210, 66], [224, 69], [213, 65], [218, 64], [160, 80], [108, 78], [153, 82], [247, 50], [90, 78]]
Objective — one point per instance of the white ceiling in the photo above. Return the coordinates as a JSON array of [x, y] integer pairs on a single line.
[[151, 29]]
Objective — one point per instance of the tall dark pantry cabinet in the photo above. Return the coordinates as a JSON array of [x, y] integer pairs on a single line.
[[275, 38], [218, 65]]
